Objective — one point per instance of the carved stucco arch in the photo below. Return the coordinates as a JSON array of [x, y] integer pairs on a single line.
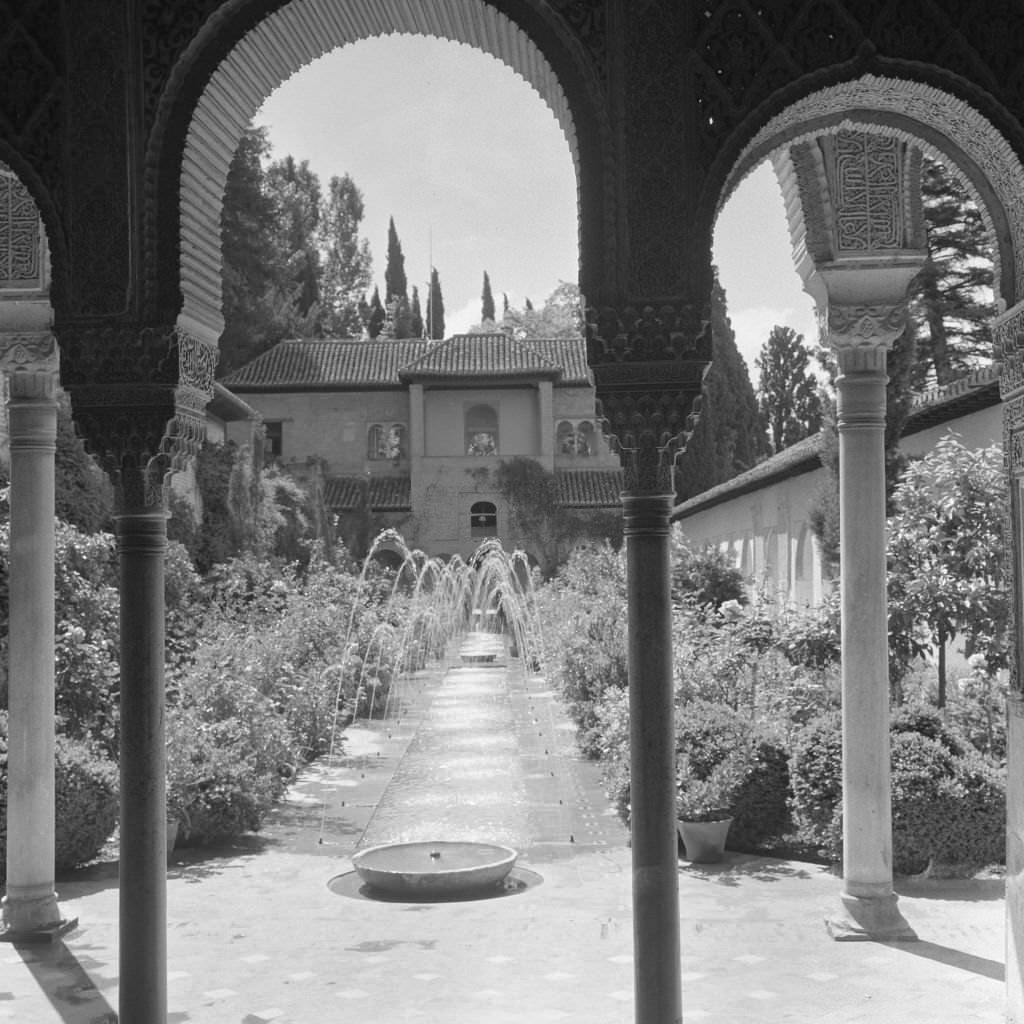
[[941, 125], [275, 49]]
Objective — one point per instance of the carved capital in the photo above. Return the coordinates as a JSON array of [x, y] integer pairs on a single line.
[[649, 363], [865, 327], [32, 362], [1008, 345], [138, 396]]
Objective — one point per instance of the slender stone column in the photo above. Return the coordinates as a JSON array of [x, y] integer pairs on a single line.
[[869, 908], [658, 996], [30, 907], [141, 546], [143, 429]]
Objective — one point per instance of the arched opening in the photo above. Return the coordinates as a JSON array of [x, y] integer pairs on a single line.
[[481, 430], [483, 519], [298, 33]]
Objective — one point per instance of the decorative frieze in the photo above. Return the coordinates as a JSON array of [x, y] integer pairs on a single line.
[[865, 328], [32, 362], [20, 235], [649, 363], [138, 397]]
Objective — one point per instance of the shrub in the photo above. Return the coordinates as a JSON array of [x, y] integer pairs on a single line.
[[86, 790], [948, 805], [215, 787], [761, 805]]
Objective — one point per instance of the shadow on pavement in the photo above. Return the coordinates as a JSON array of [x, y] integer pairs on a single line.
[[738, 867], [74, 995], [953, 958]]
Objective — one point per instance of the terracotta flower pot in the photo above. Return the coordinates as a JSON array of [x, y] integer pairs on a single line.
[[704, 840]]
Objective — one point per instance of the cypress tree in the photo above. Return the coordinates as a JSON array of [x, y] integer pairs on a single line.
[[375, 323], [487, 301], [416, 315], [435, 307], [787, 392], [395, 284], [728, 438]]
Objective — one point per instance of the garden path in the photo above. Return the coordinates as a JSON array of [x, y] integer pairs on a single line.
[[256, 935]]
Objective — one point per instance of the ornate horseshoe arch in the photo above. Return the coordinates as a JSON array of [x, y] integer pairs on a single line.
[[935, 121], [278, 47]]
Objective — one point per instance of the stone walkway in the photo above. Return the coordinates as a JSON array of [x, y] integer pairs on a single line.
[[276, 927]]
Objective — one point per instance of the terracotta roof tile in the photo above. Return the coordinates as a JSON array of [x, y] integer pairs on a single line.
[[480, 355], [303, 364], [590, 488], [387, 493]]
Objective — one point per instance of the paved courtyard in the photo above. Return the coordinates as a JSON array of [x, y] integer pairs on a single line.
[[276, 927]]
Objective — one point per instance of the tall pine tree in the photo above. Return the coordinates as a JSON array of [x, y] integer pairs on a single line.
[[435, 307], [951, 298], [375, 321], [787, 392], [416, 315], [346, 259], [487, 302], [728, 438], [296, 193]]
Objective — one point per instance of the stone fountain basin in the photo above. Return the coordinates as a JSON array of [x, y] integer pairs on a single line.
[[434, 869]]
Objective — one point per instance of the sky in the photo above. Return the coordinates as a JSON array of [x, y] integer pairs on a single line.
[[475, 170]]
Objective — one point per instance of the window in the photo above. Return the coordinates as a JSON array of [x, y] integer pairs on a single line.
[[386, 442], [481, 431], [575, 438], [273, 439], [483, 519]]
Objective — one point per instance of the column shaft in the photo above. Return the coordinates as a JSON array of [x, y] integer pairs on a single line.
[[658, 998], [30, 905], [142, 542], [867, 898]]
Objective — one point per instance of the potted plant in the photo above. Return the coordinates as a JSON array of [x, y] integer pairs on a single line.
[[704, 806]]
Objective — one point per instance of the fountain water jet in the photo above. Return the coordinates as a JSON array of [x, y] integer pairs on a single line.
[[485, 600]]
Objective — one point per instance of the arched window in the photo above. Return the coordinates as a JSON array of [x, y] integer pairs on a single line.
[[385, 442], [575, 438], [483, 519], [481, 430]]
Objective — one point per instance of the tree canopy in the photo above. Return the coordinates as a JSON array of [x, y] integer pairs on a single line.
[[787, 392], [486, 301], [728, 437], [435, 307]]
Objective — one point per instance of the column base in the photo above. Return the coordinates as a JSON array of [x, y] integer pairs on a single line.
[[44, 935], [869, 919], [34, 919]]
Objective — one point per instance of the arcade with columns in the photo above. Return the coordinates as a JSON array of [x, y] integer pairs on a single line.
[[118, 119]]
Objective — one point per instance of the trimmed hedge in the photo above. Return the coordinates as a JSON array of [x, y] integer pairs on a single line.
[[948, 802], [86, 800]]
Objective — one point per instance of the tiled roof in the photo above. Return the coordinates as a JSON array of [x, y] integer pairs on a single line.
[[387, 493], [801, 457], [975, 391], [978, 390], [590, 488], [305, 364], [480, 355]]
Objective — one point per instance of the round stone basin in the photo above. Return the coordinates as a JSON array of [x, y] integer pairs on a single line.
[[441, 868]]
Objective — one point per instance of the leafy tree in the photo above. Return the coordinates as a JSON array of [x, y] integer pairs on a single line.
[[728, 438], [487, 301], [951, 298], [253, 270], [83, 496], [532, 494], [946, 557], [706, 577], [787, 392], [346, 261], [295, 191], [395, 284], [558, 318], [435, 307]]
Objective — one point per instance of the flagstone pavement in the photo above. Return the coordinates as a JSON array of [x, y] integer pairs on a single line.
[[276, 928]]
